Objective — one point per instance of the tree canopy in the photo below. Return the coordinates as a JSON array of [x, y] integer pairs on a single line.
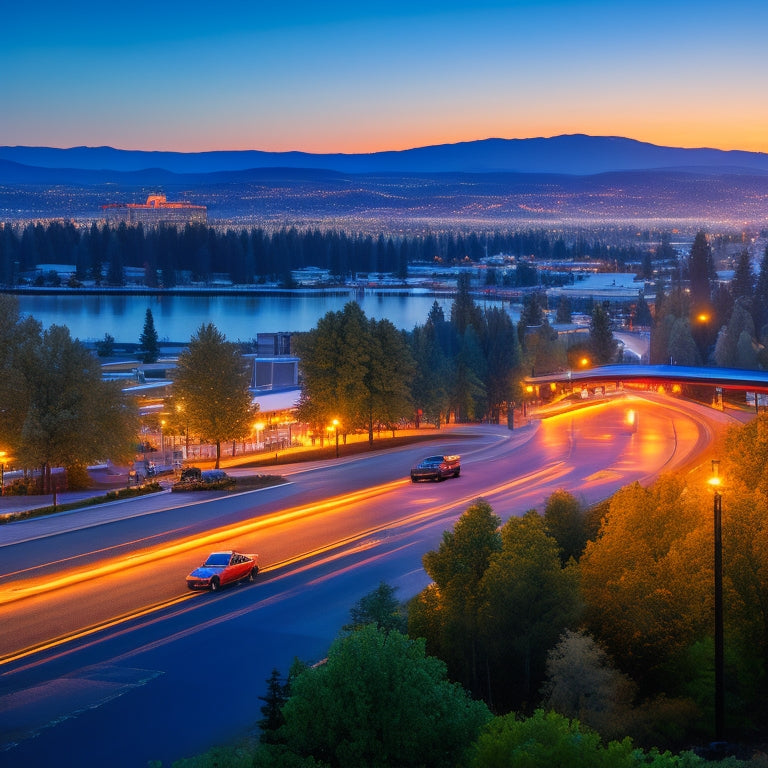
[[355, 370], [378, 701], [210, 389], [58, 412]]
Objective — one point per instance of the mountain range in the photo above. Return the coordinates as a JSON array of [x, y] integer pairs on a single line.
[[491, 182], [575, 154]]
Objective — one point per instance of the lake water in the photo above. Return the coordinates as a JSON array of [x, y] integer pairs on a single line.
[[239, 318]]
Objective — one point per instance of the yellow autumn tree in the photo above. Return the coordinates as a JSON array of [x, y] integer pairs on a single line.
[[647, 578]]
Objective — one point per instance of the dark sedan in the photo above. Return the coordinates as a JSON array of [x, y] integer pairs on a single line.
[[436, 468], [223, 568]]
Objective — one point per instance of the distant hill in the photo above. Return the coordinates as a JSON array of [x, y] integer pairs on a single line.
[[495, 182], [570, 154]]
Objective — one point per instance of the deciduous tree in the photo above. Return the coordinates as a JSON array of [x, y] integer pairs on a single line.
[[210, 382], [447, 613], [72, 417], [527, 600], [378, 701], [646, 578]]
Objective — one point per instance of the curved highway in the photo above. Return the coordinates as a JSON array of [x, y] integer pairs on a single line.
[[119, 664]]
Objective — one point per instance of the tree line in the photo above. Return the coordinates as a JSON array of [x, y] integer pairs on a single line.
[[469, 366], [169, 255], [570, 636], [701, 320]]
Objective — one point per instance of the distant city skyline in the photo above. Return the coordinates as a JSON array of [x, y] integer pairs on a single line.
[[354, 77]]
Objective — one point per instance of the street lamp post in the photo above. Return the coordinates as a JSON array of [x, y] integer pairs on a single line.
[[258, 426], [336, 430], [2, 472], [718, 563]]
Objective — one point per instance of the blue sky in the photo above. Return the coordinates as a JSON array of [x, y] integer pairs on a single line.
[[347, 77]]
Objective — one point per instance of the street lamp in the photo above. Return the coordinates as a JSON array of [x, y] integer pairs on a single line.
[[336, 429], [258, 426], [180, 409], [715, 482], [3, 454]]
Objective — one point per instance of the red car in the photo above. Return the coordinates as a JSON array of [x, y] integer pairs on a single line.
[[223, 568]]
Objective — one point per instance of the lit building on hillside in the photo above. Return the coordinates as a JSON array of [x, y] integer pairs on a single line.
[[156, 211]]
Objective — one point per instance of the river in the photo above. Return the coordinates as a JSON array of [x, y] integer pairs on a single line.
[[239, 318]]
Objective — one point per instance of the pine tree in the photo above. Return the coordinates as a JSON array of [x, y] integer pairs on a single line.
[[760, 302], [743, 283], [701, 269], [601, 336], [148, 339], [277, 695]]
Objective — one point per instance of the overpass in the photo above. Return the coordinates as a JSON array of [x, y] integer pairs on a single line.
[[649, 376]]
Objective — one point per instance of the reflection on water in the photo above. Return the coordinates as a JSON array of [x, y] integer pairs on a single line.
[[240, 318]]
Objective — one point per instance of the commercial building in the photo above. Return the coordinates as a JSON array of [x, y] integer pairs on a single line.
[[156, 211]]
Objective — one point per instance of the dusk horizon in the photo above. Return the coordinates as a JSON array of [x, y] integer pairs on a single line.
[[475, 140], [345, 78]]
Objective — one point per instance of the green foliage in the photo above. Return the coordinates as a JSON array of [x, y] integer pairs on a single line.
[[210, 387], [583, 684], [106, 347], [434, 369], [380, 608], [272, 715], [681, 346], [601, 340], [701, 271], [499, 601], [70, 416], [502, 352], [148, 339], [547, 740], [468, 394], [528, 600], [78, 478], [354, 370], [187, 486], [378, 701], [734, 347], [646, 578], [236, 756], [564, 519]]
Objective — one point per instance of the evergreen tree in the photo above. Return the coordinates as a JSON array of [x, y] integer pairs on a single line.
[[464, 311], [271, 710], [743, 283], [601, 340], [643, 316], [701, 268], [563, 316], [760, 301], [681, 346], [380, 608], [148, 339]]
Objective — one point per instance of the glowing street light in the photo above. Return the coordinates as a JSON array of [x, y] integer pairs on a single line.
[[3, 454], [258, 426], [335, 424], [715, 481]]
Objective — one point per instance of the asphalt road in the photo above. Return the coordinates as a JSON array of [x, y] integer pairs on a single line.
[[121, 665]]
